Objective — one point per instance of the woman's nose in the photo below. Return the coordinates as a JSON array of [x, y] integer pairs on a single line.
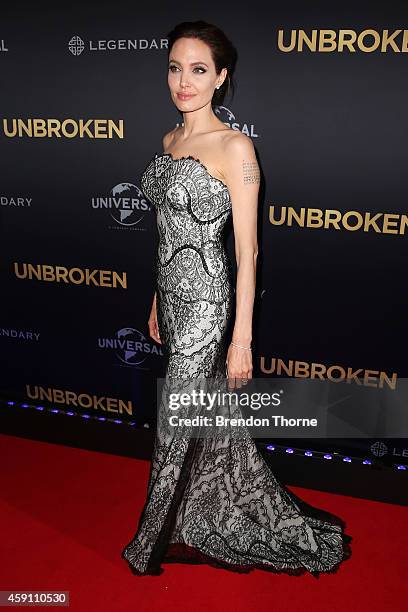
[[183, 80]]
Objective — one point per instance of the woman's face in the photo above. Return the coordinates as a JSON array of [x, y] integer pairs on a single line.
[[192, 77]]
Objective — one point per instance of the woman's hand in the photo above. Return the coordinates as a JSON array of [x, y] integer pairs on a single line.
[[153, 324], [239, 366]]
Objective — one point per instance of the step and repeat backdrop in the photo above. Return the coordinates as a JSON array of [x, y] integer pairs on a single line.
[[322, 94]]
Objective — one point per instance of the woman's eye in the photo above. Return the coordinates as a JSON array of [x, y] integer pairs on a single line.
[[172, 68]]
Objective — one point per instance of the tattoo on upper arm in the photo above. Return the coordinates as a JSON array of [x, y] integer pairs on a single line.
[[251, 172]]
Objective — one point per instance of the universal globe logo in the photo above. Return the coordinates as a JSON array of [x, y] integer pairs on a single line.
[[228, 117], [225, 114], [76, 45], [126, 205], [130, 346]]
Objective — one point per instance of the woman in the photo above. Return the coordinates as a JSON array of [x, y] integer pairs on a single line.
[[212, 498]]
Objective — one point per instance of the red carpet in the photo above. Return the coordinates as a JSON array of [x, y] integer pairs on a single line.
[[66, 513]]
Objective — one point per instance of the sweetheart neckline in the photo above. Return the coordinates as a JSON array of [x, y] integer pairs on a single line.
[[195, 159]]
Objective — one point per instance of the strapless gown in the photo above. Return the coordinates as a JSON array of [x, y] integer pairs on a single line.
[[213, 499]]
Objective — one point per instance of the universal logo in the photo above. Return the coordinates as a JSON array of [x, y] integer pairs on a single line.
[[228, 117], [126, 205], [76, 45], [3, 45], [131, 348]]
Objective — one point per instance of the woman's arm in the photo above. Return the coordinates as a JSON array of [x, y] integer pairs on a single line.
[[242, 176], [152, 322]]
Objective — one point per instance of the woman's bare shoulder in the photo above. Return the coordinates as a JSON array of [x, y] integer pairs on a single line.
[[168, 137], [236, 143], [237, 138]]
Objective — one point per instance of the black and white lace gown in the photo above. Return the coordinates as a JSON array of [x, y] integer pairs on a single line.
[[213, 499]]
